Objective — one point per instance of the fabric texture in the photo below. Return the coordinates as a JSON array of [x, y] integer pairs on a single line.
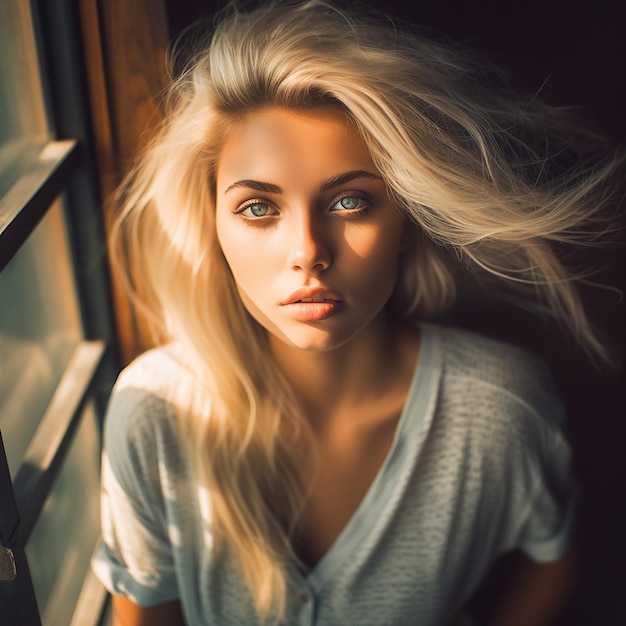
[[479, 466]]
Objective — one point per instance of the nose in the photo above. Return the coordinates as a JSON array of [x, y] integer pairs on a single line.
[[310, 248]]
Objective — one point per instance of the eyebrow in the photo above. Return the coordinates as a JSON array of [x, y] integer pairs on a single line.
[[331, 183], [342, 179], [256, 185]]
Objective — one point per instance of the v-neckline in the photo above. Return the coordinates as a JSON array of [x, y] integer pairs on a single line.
[[379, 496]]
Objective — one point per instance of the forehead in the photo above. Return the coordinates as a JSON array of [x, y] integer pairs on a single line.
[[292, 145]]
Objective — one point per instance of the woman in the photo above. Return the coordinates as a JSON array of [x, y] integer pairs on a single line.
[[307, 445]]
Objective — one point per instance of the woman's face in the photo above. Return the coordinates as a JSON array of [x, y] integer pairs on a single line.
[[306, 226]]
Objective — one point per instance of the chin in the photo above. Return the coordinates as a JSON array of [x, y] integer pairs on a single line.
[[310, 340]]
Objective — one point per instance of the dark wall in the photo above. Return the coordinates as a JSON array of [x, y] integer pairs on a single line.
[[576, 48], [575, 53]]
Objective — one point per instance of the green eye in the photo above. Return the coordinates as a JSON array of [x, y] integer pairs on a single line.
[[349, 203], [256, 209], [259, 209]]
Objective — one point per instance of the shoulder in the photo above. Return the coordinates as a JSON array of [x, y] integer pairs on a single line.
[[142, 388], [499, 432], [154, 371], [142, 426], [500, 380], [478, 356]]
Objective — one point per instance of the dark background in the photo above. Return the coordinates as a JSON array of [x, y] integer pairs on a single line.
[[575, 53]]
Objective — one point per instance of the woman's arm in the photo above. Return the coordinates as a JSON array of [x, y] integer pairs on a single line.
[[127, 613], [536, 592]]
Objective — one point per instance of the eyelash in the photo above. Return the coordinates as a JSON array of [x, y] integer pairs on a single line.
[[360, 196], [251, 203]]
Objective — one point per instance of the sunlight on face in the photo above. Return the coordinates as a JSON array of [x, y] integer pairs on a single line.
[[306, 226]]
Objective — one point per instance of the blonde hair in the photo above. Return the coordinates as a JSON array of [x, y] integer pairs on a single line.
[[493, 183]]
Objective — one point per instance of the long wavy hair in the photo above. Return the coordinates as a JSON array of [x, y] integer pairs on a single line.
[[495, 185]]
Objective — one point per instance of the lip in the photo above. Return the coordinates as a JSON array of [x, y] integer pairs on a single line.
[[311, 294], [312, 305]]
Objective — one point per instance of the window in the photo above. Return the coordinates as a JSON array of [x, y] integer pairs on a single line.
[[59, 353]]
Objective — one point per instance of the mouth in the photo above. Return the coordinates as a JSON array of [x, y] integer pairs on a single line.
[[312, 305], [316, 295]]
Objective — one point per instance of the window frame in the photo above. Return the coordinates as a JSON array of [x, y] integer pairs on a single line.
[[66, 166]]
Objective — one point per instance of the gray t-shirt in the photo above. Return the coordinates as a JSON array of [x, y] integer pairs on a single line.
[[479, 466]]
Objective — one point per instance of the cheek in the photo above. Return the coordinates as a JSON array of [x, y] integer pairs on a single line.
[[249, 260], [242, 267], [372, 270], [376, 247]]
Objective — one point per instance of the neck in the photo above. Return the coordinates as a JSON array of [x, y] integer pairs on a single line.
[[359, 372]]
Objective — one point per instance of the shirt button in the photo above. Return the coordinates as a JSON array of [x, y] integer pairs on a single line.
[[304, 597]]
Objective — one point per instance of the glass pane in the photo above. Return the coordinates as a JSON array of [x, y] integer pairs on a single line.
[[39, 328], [23, 127], [60, 548]]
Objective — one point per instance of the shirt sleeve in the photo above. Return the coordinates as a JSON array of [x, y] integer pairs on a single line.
[[134, 558], [549, 516]]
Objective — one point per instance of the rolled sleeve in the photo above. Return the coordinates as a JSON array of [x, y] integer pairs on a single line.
[[134, 558], [550, 517]]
